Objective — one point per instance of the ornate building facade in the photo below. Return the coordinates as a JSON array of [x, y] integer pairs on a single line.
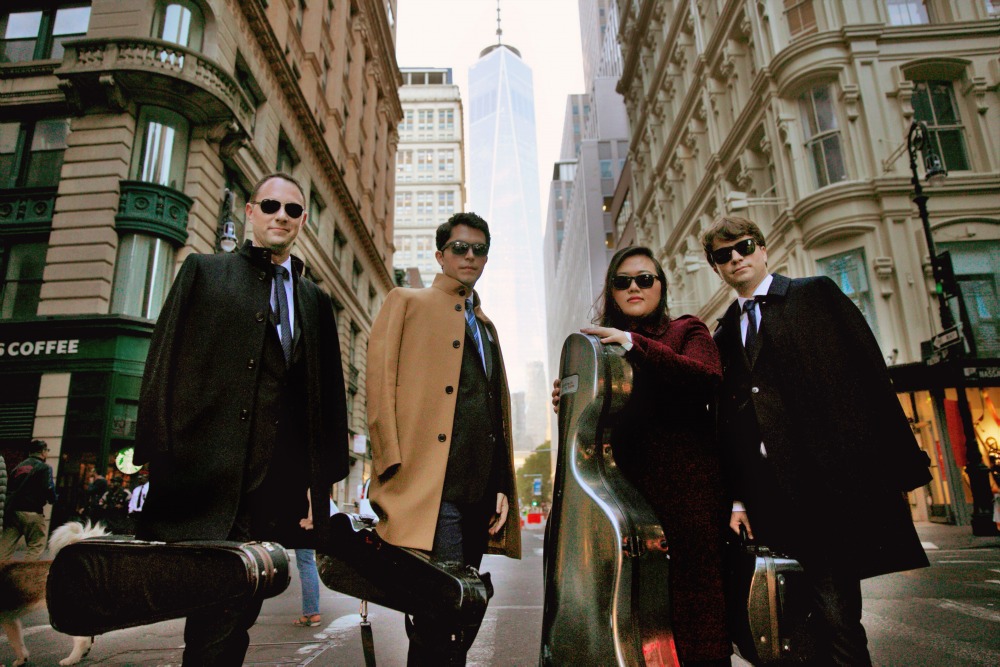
[[131, 133], [795, 113]]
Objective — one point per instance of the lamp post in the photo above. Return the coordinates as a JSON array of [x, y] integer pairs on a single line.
[[982, 498]]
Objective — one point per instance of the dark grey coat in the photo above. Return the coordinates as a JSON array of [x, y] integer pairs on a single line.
[[817, 393], [197, 399]]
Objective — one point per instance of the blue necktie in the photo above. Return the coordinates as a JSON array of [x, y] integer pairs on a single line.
[[280, 273], [470, 319], [751, 339]]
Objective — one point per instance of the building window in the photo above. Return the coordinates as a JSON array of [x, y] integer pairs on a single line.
[[356, 271], [977, 269], [339, 243], [822, 135], [39, 35], [21, 266], [425, 204], [446, 203], [934, 103], [160, 154], [425, 122], [31, 153], [143, 272], [287, 159], [316, 208], [180, 22], [425, 164], [372, 299], [446, 163], [446, 121], [404, 204], [850, 272], [404, 165], [907, 12], [801, 16], [992, 7]]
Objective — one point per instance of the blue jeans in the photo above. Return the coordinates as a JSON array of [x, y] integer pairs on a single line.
[[305, 560]]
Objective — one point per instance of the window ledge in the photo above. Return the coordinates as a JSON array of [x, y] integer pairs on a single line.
[[148, 208]]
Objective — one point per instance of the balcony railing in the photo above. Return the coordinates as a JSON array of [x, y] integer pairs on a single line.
[[109, 71], [148, 208], [26, 209]]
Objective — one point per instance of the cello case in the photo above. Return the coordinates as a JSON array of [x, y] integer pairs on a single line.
[[606, 560]]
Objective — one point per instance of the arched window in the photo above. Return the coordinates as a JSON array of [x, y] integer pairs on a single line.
[[822, 134], [160, 154], [180, 22]]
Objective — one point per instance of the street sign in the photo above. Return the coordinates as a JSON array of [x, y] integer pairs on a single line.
[[947, 338], [537, 486]]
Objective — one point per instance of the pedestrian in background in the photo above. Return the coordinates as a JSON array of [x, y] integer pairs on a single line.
[[30, 487], [243, 406], [305, 561], [114, 506], [664, 443], [817, 451], [439, 417]]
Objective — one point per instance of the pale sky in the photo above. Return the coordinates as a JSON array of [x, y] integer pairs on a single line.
[[451, 33]]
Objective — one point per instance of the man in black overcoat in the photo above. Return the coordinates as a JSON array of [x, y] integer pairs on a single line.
[[243, 406], [818, 454]]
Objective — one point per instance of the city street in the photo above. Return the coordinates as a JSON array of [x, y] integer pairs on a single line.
[[944, 616]]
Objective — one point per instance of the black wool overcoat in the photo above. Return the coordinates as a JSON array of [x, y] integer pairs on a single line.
[[196, 405], [817, 393]]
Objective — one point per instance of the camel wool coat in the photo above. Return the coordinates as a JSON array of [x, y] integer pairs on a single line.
[[414, 363]]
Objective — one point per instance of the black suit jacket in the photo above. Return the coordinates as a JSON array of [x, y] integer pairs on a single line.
[[817, 393], [196, 406]]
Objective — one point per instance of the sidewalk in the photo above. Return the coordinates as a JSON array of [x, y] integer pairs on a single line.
[[945, 537]]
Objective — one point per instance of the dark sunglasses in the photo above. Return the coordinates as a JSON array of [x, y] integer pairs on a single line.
[[643, 280], [461, 248], [746, 247], [271, 206]]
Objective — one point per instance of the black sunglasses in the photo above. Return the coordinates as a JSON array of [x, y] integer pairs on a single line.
[[271, 206], [461, 248], [643, 280], [746, 247]]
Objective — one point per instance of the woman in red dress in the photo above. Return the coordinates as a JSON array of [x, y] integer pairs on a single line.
[[664, 443]]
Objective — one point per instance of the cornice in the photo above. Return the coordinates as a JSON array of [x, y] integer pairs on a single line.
[[389, 66], [275, 58]]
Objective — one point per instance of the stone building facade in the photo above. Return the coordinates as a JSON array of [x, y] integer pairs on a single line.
[[795, 113], [131, 134]]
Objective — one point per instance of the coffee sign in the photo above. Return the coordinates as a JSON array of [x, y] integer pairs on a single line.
[[39, 348]]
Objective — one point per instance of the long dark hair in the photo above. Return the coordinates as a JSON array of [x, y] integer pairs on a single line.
[[609, 314]]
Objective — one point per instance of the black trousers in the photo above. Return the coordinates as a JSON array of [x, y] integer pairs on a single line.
[[779, 522], [219, 636], [461, 535]]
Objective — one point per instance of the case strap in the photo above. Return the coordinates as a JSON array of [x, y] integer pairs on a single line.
[[367, 637]]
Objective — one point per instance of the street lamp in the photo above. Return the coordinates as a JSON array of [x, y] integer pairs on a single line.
[[227, 240], [945, 284]]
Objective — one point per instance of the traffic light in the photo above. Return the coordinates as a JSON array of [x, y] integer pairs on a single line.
[[534, 503], [944, 274]]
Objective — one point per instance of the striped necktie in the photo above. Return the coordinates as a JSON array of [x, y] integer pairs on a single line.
[[751, 339], [470, 319], [280, 274]]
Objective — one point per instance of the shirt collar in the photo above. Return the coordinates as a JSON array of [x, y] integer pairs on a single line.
[[761, 290]]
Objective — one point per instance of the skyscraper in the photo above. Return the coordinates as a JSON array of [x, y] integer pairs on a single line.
[[503, 188]]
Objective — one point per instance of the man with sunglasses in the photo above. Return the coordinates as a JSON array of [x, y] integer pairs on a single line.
[[242, 410], [439, 418], [818, 452]]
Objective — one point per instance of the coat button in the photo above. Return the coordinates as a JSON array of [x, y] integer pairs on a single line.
[[442, 437], [458, 306], [251, 363], [449, 389], [461, 292], [262, 275], [259, 316], [492, 438], [244, 415], [754, 390], [455, 344]]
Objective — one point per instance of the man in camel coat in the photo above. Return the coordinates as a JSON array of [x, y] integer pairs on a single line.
[[439, 418]]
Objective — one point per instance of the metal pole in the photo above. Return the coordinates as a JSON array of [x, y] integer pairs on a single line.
[[978, 473]]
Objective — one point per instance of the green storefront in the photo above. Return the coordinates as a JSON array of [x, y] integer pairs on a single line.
[[76, 378]]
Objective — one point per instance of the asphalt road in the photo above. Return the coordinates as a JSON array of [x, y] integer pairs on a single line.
[[944, 616]]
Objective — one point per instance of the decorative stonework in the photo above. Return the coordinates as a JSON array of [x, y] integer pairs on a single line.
[[884, 269], [849, 95], [148, 208]]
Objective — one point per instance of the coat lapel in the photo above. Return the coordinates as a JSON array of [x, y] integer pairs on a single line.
[[772, 321]]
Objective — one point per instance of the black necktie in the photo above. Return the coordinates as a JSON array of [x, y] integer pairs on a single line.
[[751, 339], [280, 273]]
